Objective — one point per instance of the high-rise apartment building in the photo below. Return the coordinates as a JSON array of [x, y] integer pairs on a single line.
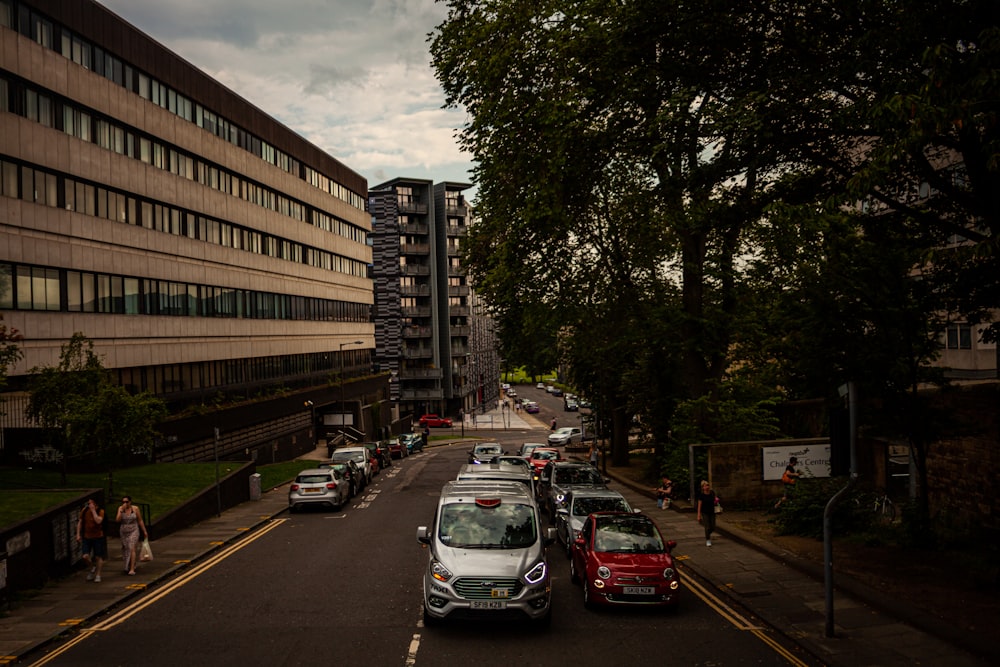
[[205, 248], [424, 314]]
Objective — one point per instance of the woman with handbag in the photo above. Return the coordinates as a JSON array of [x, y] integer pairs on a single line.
[[707, 503], [129, 524]]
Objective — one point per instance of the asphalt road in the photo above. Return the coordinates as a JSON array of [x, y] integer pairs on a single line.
[[323, 587]]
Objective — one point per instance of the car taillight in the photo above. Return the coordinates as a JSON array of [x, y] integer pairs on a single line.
[[295, 487], [331, 485]]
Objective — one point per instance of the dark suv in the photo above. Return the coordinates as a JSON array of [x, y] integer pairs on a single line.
[[558, 477]]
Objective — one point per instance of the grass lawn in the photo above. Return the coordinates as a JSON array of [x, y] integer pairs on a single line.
[[162, 486]]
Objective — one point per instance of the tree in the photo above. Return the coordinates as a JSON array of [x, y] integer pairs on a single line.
[[90, 416], [10, 352]]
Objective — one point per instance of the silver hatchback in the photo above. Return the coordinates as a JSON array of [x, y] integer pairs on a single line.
[[318, 486]]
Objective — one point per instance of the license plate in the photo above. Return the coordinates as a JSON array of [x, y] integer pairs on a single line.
[[489, 604], [317, 490], [638, 590]]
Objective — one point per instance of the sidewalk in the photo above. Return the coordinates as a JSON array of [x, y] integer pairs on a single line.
[[751, 573]]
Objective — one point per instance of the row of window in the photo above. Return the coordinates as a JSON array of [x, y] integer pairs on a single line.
[[41, 288], [26, 182], [92, 57], [224, 374], [17, 97]]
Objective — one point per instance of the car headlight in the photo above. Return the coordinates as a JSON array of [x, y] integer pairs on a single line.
[[440, 572], [603, 572], [536, 573], [669, 573], [560, 498]]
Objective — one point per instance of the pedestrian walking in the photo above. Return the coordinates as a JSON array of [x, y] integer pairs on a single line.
[[788, 479], [90, 535], [553, 426], [707, 501], [593, 453], [130, 523]]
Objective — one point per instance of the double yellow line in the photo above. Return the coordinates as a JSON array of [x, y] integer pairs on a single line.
[[158, 594], [739, 621]]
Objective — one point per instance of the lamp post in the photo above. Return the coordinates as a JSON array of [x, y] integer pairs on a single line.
[[343, 420]]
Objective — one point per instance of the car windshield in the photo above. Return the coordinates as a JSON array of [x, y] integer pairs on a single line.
[[489, 449], [544, 455], [576, 475], [479, 526], [516, 461], [587, 506], [626, 534]]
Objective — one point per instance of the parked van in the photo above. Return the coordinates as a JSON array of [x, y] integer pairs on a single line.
[[487, 554]]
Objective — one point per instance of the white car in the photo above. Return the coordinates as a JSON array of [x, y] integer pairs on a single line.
[[540, 385], [565, 436], [357, 454]]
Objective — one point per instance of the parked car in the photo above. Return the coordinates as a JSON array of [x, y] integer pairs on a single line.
[[483, 452], [413, 441], [511, 393], [383, 450], [570, 404], [351, 472], [558, 477], [557, 392], [360, 456], [486, 554], [566, 435], [375, 455], [621, 558], [540, 385], [318, 486], [397, 448], [578, 505], [435, 421]]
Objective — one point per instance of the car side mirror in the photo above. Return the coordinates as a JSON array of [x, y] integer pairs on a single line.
[[671, 545], [580, 542], [423, 535], [550, 536], [562, 512]]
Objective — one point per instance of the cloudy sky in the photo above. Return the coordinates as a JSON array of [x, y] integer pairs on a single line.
[[351, 76]]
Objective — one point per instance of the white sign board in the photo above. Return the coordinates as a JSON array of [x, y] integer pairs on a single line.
[[813, 460]]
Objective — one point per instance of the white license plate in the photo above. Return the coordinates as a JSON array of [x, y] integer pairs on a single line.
[[316, 490], [638, 590], [489, 604]]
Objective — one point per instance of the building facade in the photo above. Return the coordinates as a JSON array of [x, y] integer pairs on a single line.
[[424, 306], [203, 247]]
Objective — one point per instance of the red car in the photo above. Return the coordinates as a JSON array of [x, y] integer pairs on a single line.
[[435, 421], [622, 559]]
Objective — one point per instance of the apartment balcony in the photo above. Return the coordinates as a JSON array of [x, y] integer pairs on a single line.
[[458, 230], [456, 270], [415, 290], [412, 207], [459, 311], [418, 353], [414, 249], [421, 373], [417, 332], [460, 211], [418, 228], [460, 330], [416, 311], [458, 290], [459, 350], [415, 270]]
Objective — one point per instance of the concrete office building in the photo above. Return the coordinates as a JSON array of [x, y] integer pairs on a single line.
[[428, 332], [206, 249]]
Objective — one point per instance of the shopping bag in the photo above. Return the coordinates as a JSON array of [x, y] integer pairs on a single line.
[[718, 506], [145, 552]]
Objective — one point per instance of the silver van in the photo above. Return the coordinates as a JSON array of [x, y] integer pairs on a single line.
[[487, 554]]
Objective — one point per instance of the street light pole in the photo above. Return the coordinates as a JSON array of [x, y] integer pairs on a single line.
[[343, 420]]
